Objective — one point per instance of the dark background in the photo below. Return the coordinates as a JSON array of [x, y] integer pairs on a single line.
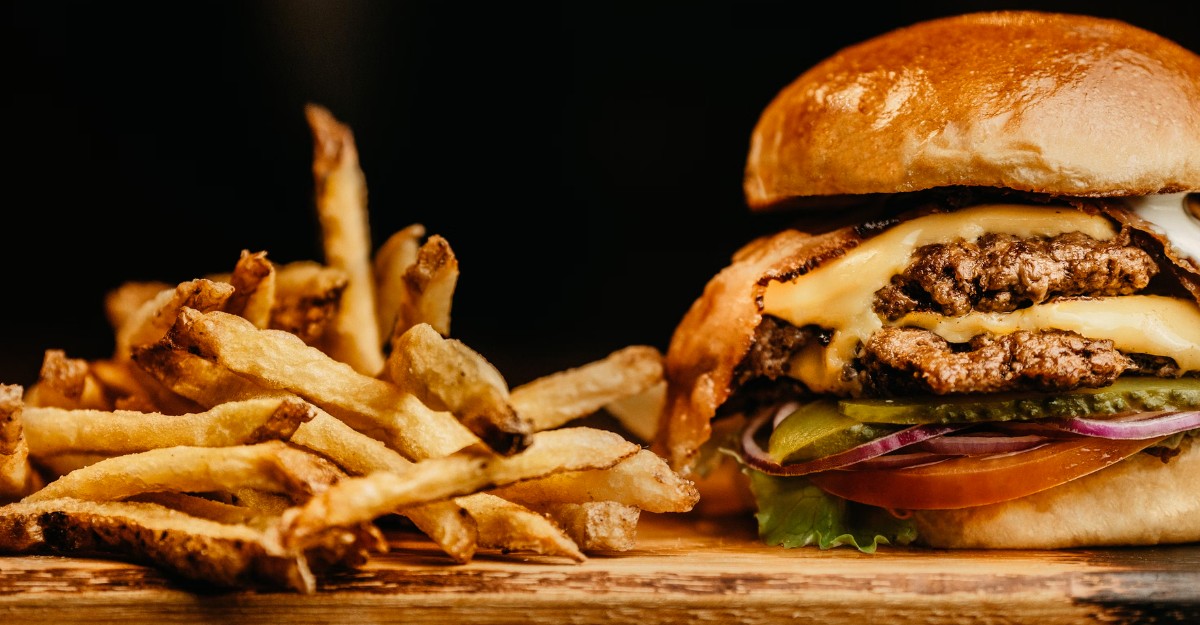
[[583, 160]]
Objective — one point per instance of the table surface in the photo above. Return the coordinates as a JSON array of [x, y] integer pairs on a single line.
[[683, 570]]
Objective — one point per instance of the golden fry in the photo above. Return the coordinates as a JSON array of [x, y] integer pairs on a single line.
[[643, 480], [558, 398], [52, 431], [391, 262], [17, 477], [272, 466], [513, 528], [253, 281], [152, 320], [66, 383], [341, 193], [210, 384], [365, 498], [307, 296], [445, 374], [597, 525], [121, 303], [429, 284], [231, 555], [639, 414], [278, 359]]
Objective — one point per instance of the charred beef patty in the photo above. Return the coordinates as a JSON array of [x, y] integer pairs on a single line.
[[997, 273]]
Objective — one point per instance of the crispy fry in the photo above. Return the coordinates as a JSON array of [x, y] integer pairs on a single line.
[[233, 555], [513, 528], [52, 431], [221, 512], [597, 525], [341, 194], [643, 480], [152, 320], [253, 281], [307, 295], [429, 284], [392, 260], [639, 414], [62, 464], [558, 398], [365, 498], [445, 374], [66, 383], [134, 389], [272, 466], [367, 404], [210, 384], [121, 303], [17, 477]]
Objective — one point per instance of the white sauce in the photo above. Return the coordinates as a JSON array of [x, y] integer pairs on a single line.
[[1170, 215]]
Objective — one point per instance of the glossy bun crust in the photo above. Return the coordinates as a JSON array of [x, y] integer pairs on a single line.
[[1041, 102]]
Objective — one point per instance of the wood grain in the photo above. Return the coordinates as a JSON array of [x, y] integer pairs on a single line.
[[684, 570]]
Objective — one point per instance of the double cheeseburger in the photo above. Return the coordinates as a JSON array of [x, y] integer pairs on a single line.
[[984, 330]]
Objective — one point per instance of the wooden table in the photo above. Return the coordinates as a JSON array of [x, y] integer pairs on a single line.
[[683, 571]]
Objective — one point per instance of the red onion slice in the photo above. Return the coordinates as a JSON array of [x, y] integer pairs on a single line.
[[756, 458], [1136, 427], [979, 444]]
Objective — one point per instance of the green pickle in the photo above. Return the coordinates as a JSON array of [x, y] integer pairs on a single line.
[[816, 430], [1134, 394]]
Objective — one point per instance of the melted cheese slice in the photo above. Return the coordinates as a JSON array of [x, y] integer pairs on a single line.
[[839, 295], [1143, 324]]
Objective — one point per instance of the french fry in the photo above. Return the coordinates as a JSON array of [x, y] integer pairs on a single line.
[[253, 426], [66, 383], [121, 303], [210, 384], [553, 400], [221, 512], [360, 499], [639, 414], [643, 480], [279, 360], [429, 284], [152, 320], [447, 375], [52, 431], [17, 477], [597, 525], [391, 262], [62, 464], [341, 195], [234, 555], [253, 281], [272, 466], [513, 528], [307, 296]]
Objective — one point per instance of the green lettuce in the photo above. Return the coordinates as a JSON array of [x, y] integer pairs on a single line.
[[792, 512]]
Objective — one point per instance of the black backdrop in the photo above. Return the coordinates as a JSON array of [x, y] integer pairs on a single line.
[[584, 160]]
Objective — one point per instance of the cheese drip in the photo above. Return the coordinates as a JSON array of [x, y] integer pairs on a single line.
[[839, 295]]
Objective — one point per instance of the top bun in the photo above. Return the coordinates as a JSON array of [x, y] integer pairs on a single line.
[[1032, 101]]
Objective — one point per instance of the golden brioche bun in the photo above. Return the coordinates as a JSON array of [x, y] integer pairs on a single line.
[[1040, 102]]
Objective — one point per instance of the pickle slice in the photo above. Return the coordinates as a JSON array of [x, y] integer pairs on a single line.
[[816, 430], [1133, 394]]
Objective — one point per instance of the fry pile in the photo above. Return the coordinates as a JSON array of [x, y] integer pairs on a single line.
[[252, 427]]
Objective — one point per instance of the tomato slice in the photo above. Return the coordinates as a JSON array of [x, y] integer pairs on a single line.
[[978, 480]]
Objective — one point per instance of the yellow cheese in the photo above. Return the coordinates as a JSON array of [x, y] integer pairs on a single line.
[[839, 295], [1143, 324]]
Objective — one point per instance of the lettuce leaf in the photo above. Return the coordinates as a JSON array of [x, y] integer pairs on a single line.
[[792, 512]]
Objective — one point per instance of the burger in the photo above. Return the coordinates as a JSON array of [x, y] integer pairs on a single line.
[[981, 328]]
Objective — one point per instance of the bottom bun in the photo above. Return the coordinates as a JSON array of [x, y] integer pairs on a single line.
[[1138, 501]]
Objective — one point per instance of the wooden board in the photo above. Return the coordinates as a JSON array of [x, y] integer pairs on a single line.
[[682, 571]]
